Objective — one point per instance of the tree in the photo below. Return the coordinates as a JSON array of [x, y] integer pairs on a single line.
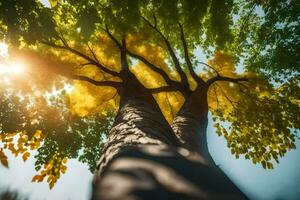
[[139, 95]]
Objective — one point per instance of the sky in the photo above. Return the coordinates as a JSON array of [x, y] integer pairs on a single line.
[[281, 183]]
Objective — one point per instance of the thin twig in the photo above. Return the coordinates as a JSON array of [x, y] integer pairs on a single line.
[[187, 58], [175, 60], [94, 82], [91, 60], [223, 78]]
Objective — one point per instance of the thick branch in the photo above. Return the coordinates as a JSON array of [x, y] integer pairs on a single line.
[[94, 82], [163, 89], [187, 58], [173, 85], [92, 61], [122, 47], [222, 78], [171, 52], [154, 68]]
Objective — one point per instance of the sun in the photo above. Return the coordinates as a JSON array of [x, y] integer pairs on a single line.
[[7, 66], [11, 68]]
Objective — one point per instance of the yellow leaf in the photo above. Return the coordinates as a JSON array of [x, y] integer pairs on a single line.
[[37, 178], [37, 134], [9, 140], [12, 148], [53, 3], [4, 162], [50, 178], [3, 159], [25, 156], [63, 169], [48, 167], [51, 184], [65, 160]]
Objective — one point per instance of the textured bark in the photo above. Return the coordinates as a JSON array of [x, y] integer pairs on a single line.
[[162, 172], [142, 158], [139, 121], [190, 124]]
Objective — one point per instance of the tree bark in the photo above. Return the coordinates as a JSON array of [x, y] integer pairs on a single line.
[[143, 159], [190, 124], [139, 121]]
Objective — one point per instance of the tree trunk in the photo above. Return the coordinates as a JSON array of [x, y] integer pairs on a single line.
[[142, 158], [139, 121], [190, 124]]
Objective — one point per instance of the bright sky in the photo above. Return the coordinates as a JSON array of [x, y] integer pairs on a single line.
[[74, 185], [281, 183]]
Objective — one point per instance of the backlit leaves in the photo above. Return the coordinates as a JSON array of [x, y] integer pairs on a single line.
[[53, 3], [258, 121], [3, 158], [52, 170], [20, 143], [223, 63], [45, 121], [25, 156]]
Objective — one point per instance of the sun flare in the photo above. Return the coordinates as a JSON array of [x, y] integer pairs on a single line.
[[11, 68], [7, 66], [3, 49]]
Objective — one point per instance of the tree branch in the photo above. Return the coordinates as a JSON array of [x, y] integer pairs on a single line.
[[163, 89], [153, 67], [171, 52], [124, 63], [93, 53], [122, 47], [228, 99], [92, 61], [222, 78], [199, 80], [94, 82], [216, 97], [112, 37], [207, 65], [84, 64], [174, 84]]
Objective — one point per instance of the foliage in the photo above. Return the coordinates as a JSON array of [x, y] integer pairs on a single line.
[[269, 37], [44, 123], [263, 122], [81, 40]]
